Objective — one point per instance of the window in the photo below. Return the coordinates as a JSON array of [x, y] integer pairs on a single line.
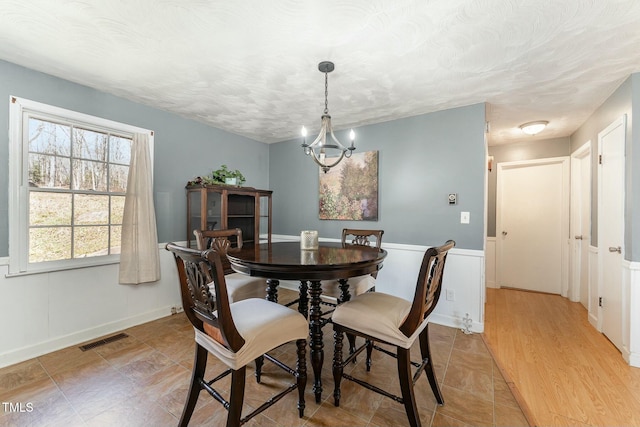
[[68, 180]]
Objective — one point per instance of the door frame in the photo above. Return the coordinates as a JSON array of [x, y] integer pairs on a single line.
[[564, 233], [576, 194]]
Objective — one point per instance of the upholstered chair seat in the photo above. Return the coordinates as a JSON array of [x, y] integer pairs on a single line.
[[379, 316], [262, 324]]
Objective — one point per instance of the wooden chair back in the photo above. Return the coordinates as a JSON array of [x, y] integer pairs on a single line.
[[352, 236], [196, 270], [222, 241], [428, 287]]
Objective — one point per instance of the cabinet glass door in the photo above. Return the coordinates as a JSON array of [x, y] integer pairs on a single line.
[[214, 211], [265, 219], [195, 216]]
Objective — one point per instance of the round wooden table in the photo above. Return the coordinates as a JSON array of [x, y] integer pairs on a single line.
[[286, 261]]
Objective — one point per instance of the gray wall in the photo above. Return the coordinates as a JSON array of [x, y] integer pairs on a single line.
[[183, 148], [530, 149], [421, 160], [623, 101]]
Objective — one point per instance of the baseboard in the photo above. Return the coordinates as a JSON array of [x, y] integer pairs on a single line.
[[593, 320], [634, 360], [29, 352], [492, 284]]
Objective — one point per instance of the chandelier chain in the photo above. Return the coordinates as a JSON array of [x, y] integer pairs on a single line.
[[326, 93]]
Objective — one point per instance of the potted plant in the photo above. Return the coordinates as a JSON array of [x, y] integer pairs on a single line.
[[226, 176], [220, 176]]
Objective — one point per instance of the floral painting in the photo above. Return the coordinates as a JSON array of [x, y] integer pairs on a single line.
[[349, 190]]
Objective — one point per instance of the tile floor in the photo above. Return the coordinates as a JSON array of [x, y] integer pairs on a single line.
[[142, 381]]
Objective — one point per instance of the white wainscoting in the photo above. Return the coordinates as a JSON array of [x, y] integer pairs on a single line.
[[631, 312], [41, 313], [464, 275]]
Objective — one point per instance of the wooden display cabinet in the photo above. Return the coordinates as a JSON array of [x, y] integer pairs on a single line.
[[220, 207]]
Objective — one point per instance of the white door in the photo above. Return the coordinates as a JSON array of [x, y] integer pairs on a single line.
[[611, 143], [532, 225], [580, 224]]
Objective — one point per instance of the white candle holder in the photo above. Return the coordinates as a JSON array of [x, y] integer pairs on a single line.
[[309, 240]]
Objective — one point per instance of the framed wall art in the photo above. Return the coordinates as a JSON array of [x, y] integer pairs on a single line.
[[349, 190]]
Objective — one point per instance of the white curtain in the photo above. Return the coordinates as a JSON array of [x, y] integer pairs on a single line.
[[139, 257]]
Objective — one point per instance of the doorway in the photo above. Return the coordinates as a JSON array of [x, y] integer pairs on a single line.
[[580, 235], [532, 225], [611, 170]]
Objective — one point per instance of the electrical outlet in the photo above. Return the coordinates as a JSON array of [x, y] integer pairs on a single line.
[[451, 295]]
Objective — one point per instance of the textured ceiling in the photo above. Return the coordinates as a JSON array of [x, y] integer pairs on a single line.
[[250, 66]]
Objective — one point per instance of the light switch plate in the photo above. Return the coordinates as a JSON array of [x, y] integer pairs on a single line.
[[464, 217]]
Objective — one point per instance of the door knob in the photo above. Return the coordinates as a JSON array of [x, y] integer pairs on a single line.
[[504, 233], [614, 249], [578, 237]]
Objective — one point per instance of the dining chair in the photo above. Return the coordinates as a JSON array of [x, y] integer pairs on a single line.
[[236, 333], [239, 286], [337, 291], [387, 319]]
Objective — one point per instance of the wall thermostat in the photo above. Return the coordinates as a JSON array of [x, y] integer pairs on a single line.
[[453, 198]]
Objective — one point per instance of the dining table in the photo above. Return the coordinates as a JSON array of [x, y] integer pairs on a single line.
[[287, 261]]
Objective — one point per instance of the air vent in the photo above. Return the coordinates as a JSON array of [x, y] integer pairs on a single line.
[[103, 341]]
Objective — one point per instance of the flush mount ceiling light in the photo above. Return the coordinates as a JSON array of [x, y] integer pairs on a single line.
[[320, 147], [533, 128]]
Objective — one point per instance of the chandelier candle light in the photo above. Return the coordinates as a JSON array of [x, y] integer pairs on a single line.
[[318, 148]]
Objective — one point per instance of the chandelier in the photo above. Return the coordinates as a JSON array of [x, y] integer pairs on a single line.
[[320, 147]]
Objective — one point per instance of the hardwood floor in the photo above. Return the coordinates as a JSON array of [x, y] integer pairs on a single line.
[[142, 380], [564, 371]]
